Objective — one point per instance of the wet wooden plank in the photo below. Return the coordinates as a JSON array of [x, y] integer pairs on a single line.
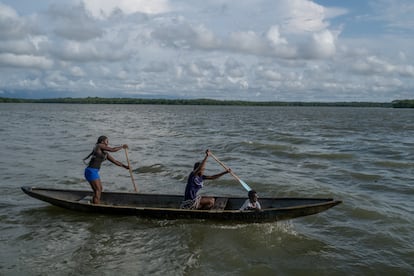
[[220, 203]]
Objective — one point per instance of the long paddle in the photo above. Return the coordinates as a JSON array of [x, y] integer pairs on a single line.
[[244, 184], [130, 171]]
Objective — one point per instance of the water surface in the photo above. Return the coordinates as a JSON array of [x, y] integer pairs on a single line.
[[363, 156]]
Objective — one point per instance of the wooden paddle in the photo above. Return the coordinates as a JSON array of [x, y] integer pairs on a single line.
[[130, 170], [244, 184]]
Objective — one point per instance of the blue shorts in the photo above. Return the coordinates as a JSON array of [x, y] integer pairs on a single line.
[[91, 174]]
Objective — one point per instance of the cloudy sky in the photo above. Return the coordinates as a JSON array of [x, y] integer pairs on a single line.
[[257, 50]]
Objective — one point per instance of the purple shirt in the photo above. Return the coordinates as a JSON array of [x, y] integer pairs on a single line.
[[194, 184]]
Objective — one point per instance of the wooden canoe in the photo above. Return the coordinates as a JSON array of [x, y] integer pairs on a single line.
[[162, 206]]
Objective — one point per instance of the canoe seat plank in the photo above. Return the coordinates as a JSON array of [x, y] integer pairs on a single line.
[[220, 203]]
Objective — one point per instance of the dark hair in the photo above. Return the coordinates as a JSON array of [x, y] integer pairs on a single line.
[[101, 139], [251, 193], [196, 165]]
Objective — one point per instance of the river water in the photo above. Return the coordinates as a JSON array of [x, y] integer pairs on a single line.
[[363, 156]]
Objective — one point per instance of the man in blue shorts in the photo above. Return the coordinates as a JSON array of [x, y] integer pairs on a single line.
[[98, 155]]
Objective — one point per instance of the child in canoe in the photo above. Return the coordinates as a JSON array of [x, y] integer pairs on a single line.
[[252, 203]]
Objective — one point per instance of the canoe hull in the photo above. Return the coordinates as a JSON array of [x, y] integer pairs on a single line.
[[161, 206]]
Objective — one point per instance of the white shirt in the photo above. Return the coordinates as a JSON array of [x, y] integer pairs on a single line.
[[248, 205]]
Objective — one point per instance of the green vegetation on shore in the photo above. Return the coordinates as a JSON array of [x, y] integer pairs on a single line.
[[97, 100], [403, 104]]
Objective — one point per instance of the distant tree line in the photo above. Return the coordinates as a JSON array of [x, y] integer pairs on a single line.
[[98, 100], [403, 103]]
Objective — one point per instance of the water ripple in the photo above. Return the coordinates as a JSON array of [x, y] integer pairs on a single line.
[[364, 156]]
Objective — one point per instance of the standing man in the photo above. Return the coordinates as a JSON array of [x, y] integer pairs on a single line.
[[99, 154]]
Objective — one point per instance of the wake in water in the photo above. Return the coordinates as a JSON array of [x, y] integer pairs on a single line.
[[155, 168], [280, 227]]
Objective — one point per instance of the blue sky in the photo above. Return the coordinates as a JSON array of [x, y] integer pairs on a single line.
[[257, 50]]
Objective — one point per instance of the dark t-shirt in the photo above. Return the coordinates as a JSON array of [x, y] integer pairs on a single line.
[[194, 184]]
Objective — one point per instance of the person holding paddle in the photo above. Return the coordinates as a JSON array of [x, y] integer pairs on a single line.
[[195, 183], [98, 155]]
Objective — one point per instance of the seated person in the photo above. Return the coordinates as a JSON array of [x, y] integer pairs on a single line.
[[251, 203], [195, 183]]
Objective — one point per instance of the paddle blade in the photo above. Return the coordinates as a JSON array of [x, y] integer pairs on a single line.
[[244, 184]]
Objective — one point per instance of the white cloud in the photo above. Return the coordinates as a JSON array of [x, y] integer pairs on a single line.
[[406, 70], [34, 83], [17, 47], [11, 25], [92, 83], [269, 74], [273, 35], [25, 61], [303, 16], [205, 38], [74, 23], [374, 65], [105, 8], [7, 13], [261, 49], [88, 52], [234, 68], [322, 45], [247, 41], [76, 71]]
